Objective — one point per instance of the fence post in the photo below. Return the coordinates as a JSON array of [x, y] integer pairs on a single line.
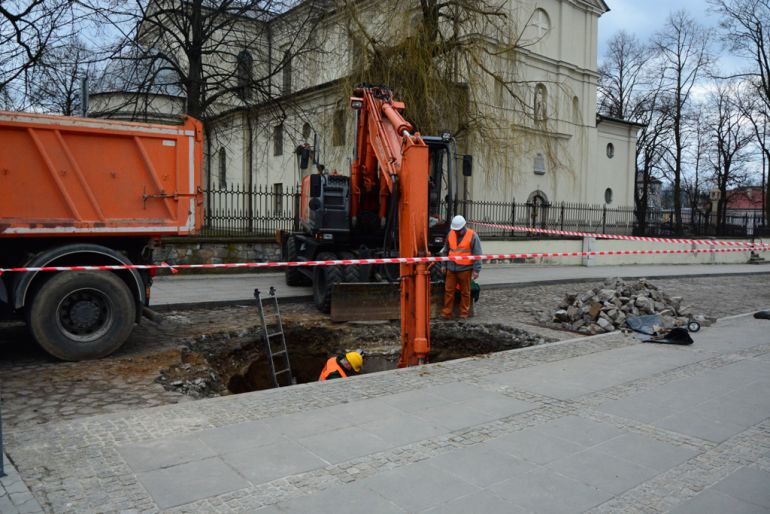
[[513, 218], [561, 218], [604, 219]]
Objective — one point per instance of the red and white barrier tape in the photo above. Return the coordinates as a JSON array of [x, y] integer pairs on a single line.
[[384, 260], [710, 242]]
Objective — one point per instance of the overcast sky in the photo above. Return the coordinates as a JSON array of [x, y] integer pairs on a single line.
[[645, 17]]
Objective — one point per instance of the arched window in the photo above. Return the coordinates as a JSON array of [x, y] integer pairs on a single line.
[[245, 72], [608, 195], [610, 150], [222, 168], [541, 23], [540, 106], [307, 131]]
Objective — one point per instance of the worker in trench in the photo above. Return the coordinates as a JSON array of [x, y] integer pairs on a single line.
[[461, 242], [343, 366]]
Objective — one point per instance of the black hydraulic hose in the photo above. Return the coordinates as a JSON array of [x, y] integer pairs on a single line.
[[390, 226]]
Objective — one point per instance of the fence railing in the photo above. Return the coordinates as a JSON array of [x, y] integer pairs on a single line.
[[259, 211], [237, 210]]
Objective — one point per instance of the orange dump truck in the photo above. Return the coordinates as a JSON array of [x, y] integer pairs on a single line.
[[82, 191]]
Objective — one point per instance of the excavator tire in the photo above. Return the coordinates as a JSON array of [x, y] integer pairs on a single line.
[[294, 277], [324, 280], [350, 273]]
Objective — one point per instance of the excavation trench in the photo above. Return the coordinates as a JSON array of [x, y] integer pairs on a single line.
[[236, 363]]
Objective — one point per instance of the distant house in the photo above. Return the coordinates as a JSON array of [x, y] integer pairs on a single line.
[[749, 198]]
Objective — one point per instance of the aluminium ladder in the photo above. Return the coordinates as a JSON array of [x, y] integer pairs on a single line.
[[275, 343]]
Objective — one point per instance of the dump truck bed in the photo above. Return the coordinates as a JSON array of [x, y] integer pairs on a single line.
[[64, 176]]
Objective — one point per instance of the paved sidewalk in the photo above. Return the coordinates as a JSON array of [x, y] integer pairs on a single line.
[[195, 289], [603, 424], [15, 498]]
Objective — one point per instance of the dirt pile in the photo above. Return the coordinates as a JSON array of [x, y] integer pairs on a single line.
[[606, 308]]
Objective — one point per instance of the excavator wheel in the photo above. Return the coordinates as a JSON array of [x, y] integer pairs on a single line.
[[294, 277], [351, 273], [324, 280]]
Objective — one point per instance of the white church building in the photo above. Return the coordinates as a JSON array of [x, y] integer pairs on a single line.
[[561, 151]]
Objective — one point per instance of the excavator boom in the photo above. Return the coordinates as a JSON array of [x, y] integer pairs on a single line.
[[388, 154]]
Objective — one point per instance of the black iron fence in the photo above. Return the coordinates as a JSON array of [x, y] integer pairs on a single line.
[[737, 223], [235, 211], [259, 211]]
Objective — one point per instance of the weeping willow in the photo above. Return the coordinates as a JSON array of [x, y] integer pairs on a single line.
[[455, 64]]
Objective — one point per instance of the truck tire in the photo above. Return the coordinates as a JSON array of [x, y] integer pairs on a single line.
[[324, 279], [294, 277], [80, 315]]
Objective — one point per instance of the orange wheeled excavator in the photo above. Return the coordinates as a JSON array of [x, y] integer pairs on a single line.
[[398, 195]]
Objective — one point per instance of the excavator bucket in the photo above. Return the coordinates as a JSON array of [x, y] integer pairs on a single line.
[[374, 301]]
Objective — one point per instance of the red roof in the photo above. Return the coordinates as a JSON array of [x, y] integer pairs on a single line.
[[745, 198]]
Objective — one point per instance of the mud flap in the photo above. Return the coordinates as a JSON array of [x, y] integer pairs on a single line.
[[375, 301]]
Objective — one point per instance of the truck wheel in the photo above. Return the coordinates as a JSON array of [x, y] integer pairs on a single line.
[[81, 315], [324, 279], [294, 277]]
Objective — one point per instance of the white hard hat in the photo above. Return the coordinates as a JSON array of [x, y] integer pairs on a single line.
[[458, 222]]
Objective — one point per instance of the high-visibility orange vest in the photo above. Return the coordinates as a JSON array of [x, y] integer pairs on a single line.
[[331, 366], [464, 248]]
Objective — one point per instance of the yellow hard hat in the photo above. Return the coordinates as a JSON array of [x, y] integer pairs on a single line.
[[355, 359]]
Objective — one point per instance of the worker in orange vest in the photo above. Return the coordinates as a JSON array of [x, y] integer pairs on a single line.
[[343, 366], [461, 242]]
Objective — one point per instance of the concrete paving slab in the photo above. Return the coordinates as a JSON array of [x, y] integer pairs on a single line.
[[456, 416], [457, 391], [266, 463], [415, 402], [303, 424], [348, 499], [363, 411], [646, 452], [241, 436], [547, 492], [584, 432], [483, 501], [418, 487], [601, 470], [177, 485], [748, 484], [163, 453], [481, 466], [344, 444], [703, 425], [535, 447], [714, 502], [402, 429]]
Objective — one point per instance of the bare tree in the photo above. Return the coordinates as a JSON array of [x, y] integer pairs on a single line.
[[623, 77], [694, 182], [730, 137], [54, 84], [755, 110], [27, 28], [745, 26], [683, 46]]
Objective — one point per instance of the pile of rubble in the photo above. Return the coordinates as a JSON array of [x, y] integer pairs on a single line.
[[606, 308]]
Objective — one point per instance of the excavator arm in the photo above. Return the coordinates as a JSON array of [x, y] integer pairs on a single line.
[[390, 163]]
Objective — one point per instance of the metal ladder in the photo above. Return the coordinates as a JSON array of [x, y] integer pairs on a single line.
[[275, 349]]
